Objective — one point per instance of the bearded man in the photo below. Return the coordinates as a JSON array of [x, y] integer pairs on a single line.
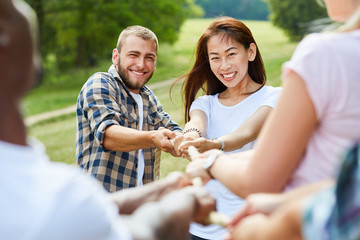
[[120, 121]]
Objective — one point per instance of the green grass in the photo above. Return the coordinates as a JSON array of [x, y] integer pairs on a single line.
[[59, 134]]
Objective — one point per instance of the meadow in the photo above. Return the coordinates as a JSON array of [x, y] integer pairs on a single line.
[[62, 89]]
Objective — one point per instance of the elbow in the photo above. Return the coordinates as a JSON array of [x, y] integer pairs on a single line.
[[107, 143], [252, 134]]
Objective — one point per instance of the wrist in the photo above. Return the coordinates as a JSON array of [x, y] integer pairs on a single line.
[[220, 144], [210, 161], [193, 130], [191, 136], [151, 135]]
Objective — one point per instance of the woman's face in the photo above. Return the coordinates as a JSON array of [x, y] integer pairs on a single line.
[[229, 59], [341, 10]]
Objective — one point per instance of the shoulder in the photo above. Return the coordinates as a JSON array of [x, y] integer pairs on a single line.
[[76, 189], [268, 96], [98, 80], [206, 98], [204, 102], [323, 45], [101, 77], [324, 53], [310, 47], [269, 92], [100, 84], [77, 198]]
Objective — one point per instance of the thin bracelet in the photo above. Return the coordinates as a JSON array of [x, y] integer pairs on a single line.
[[192, 130], [222, 144]]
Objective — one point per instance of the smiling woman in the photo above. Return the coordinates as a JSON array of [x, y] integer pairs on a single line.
[[229, 62], [229, 67]]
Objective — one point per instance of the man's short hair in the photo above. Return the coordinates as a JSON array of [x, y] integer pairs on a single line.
[[138, 31]]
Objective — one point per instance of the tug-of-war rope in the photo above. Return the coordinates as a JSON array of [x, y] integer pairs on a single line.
[[214, 217]]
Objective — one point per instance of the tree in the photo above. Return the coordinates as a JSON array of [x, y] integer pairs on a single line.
[[78, 32], [240, 9], [294, 16]]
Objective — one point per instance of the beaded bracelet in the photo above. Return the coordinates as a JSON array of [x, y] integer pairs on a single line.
[[192, 130]]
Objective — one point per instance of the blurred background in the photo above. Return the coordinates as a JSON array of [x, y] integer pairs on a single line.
[[78, 36]]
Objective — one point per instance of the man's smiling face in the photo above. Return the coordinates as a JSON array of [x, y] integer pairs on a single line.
[[136, 62]]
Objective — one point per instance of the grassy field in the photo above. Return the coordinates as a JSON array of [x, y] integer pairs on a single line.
[[59, 134]]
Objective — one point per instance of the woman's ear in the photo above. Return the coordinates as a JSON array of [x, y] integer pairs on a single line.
[[252, 52]]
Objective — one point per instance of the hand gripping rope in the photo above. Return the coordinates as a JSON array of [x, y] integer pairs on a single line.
[[214, 217]]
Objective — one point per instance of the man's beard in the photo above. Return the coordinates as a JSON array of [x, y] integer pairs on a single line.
[[125, 78]]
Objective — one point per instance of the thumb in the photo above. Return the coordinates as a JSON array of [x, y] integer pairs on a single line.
[[169, 134]]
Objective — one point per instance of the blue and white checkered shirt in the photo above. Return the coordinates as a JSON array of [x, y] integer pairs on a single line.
[[103, 101]]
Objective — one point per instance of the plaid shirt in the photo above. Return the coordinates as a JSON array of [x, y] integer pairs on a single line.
[[103, 101], [335, 213]]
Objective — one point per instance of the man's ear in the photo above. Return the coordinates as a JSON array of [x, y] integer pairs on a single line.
[[252, 52], [115, 57]]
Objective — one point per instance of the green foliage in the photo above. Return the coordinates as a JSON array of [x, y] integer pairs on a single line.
[[240, 9], [80, 32], [193, 10], [294, 16]]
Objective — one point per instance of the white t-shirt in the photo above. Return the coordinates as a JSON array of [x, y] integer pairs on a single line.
[[330, 67], [41, 200], [223, 120], [141, 163]]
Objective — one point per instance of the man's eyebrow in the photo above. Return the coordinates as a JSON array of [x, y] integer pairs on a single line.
[[151, 55], [227, 50], [147, 54], [133, 51]]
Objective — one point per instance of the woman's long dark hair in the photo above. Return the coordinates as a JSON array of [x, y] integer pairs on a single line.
[[201, 75]]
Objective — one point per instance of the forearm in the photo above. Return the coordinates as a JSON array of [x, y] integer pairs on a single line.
[[118, 138], [283, 224], [198, 121], [231, 170], [194, 129], [238, 139], [236, 172], [306, 190], [128, 200], [248, 131]]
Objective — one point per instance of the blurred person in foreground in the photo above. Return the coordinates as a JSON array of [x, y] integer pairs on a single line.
[[328, 65], [318, 211], [120, 121], [44, 200]]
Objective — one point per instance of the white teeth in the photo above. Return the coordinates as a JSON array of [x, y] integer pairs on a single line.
[[229, 75], [138, 73]]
